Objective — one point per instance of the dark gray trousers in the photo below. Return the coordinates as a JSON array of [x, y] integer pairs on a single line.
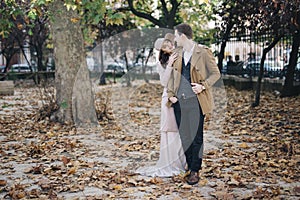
[[190, 120]]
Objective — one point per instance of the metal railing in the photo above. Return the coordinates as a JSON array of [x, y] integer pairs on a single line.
[[243, 55]]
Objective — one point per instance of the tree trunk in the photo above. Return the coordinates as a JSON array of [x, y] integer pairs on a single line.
[[261, 70], [221, 55], [223, 45], [289, 88], [101, 69], [146, 62], [39, 55], [73, 86], [127, 75]]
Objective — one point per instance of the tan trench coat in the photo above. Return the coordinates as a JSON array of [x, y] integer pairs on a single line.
[[204, 70]]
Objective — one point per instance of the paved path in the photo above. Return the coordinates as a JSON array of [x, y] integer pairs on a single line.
[[103, 158]]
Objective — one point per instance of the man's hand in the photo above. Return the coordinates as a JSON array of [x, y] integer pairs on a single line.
[[173, 99], [197, 88]]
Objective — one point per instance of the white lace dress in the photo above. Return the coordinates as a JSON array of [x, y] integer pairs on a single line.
[[171, 155]]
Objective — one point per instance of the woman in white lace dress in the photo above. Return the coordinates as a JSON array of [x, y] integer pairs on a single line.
[[171, 158]]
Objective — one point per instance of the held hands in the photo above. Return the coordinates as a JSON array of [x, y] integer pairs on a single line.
[[172, 59], [197, 88]]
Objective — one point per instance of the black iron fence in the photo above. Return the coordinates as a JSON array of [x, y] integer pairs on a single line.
[[243, 55]]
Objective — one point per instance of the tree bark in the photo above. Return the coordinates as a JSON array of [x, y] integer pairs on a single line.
[[102, 80], [261, 70], [73, 86], [289, 89], [127, 75], [223, 45]]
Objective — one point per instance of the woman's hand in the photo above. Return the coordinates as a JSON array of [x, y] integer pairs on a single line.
[[172, 59], [173, 99]]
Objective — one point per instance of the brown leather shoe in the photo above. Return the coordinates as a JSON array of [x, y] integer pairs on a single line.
[[192, 178]]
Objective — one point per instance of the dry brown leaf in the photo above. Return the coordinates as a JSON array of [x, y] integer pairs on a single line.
[[238, 168], [233, 182], [203, 182], [20, 194], [244, 145], [268, 158], [117, 187], [3, 182], [186, 186], [72, 170], [262, 155], [65, 160], [224, 195], [297, 190], [156, 180], [132, 181]]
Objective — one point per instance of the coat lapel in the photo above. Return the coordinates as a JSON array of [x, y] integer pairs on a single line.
[[178, 62], [178, 65], [196, 56]]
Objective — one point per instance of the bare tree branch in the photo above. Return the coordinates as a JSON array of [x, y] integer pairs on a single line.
[[144, 15], [164, 7]]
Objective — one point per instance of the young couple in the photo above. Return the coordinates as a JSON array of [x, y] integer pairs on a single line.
[[187, 73]]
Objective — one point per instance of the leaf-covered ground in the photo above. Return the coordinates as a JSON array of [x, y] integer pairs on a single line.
[[250, 153]]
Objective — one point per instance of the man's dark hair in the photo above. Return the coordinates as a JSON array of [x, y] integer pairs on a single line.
[[184, 29]]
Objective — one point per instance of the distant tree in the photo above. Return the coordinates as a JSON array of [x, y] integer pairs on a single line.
[[145, 9], [261, 17], [137, 41], [108, 27], [38, 34], [168, 13], [71, 31], [235, 17], [23, 24], [8, 49], [280, 18], [289, 89], [11, 30]]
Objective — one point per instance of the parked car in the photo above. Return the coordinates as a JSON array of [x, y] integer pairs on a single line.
[[234, 69], [224, 69], [21, 68], [116, 68], [50, 67], [137, 68], [296, 74], [252, 68], [2, 68], [272, 69], [90, 63]]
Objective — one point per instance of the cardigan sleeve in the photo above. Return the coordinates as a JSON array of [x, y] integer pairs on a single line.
[[164, 74]]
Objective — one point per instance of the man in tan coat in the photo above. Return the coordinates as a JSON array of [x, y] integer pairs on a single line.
[[189, 91]]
